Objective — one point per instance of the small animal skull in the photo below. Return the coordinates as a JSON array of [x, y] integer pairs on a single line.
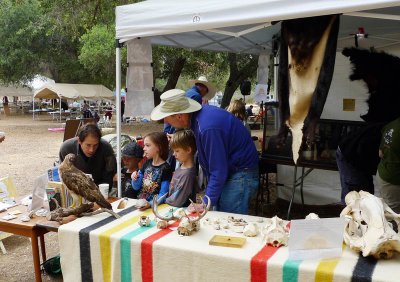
[[276, 232], [187, 224], [144, 221], [162, 224]]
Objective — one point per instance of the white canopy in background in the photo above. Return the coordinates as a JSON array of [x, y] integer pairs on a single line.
[[38, 81], [248, 26], [25, 88], [15, 91], [74, 91]]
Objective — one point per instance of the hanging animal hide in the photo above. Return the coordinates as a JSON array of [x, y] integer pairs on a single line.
[[306, 64], [380, 72]]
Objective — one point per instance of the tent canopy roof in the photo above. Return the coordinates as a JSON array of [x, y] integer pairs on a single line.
[[12, 90], [248, 26], [74, 91]]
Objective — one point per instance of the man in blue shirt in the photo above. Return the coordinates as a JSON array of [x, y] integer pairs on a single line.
[[226, 151], [200, 88], [249, 111]]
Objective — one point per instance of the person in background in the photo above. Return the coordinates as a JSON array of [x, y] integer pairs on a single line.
[[226, 152], [122, 108], [64, 105], [357, 159], [5, 100], [132, 156], [237, 108], [94, 155], [200, 89], [388, 175], [184, 184], [86, 110], [155, 176], [108, 114], [249, 111]]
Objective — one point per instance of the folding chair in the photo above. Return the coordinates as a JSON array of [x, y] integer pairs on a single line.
[[7, 190], [72, 127]]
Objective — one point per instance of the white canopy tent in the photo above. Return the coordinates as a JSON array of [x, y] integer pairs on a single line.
[[73, 92], [244, 26], [12, 90]]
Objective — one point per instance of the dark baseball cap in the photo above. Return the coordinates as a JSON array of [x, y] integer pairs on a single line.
[[132, 150]]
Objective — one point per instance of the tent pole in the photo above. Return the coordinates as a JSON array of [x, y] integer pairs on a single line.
[[118, 107], [60, 109], [33, 107]]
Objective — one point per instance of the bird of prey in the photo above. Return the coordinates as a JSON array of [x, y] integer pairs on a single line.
[[79, 184]]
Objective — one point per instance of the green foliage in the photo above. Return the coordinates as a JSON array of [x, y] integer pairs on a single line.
[[73, 41], [22, 30], [198, 62], [97, 54]]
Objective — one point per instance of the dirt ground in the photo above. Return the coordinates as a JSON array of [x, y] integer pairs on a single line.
[[27, 152]]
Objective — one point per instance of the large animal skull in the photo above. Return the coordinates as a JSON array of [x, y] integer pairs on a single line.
[[276, 232], [187, 223], [367, 229]]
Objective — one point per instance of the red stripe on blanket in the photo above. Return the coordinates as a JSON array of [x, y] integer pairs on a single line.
[[147, 252], [258, 264]]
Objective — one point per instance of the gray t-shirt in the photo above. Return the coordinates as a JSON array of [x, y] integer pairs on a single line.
[[183, 186]]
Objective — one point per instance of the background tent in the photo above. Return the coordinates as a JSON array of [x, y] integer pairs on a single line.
[[73, 92], [249, 27], [15, 91]]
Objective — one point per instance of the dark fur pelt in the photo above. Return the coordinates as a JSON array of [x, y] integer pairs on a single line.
[[301, 36], [381, 73]]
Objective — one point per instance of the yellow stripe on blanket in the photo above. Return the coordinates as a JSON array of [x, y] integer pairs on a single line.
[[105, 242], [325, 270]]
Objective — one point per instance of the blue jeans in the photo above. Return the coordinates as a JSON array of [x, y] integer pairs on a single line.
[[352, 178], [239, 189]]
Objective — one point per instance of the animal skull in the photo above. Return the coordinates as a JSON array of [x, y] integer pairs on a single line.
[[187, 224], [367, 228], [276, 232], [162, 224], [144, 221]]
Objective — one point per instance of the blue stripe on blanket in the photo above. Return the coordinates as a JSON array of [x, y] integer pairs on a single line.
[[364, 269], [84, 244]]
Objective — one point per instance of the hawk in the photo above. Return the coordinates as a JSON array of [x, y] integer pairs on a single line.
[[79, 184]]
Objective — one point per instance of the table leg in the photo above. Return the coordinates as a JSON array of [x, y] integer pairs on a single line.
[[43, 247], [301, 186], [36, 258], [293, 192]]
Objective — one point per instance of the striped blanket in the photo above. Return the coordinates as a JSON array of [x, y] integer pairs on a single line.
[[101, 248]]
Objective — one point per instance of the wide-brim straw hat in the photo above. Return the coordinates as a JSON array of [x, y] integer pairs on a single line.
[[174, 102], [203, 80]]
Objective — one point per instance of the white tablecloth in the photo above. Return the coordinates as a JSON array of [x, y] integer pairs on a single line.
[[101, 248]]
